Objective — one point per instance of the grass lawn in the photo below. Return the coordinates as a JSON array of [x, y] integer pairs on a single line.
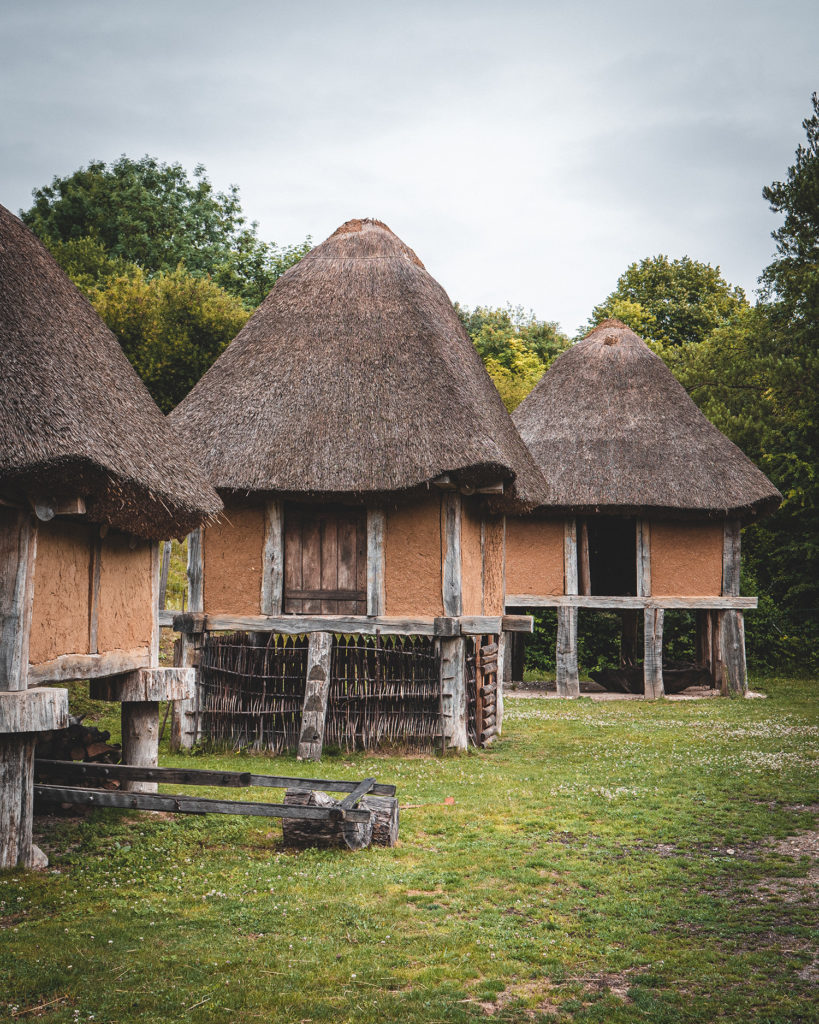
[[605, 862]]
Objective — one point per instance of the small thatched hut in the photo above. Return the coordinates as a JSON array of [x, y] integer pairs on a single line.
[[645, 502], [89, 481], [363, 454]]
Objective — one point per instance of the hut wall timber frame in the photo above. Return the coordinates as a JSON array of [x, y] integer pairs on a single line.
[[691, 565], [429, 566], [77, 601]]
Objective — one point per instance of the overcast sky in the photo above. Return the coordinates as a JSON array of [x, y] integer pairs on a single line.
[[528, 152]]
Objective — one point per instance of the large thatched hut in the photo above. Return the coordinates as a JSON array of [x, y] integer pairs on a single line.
[[363, 454], [645, 503], [89, 481]]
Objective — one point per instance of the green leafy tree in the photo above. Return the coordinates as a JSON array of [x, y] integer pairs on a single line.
[[515, 346], [156, 216], [172, 326], [671, 302]]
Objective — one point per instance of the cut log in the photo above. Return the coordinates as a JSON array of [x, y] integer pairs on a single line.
[[385, 818], [334, 833]]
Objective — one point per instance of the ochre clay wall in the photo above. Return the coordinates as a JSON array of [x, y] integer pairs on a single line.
[[493, 566], [471, 560], [125, 609], [233, 561], [412, 559], [686, 559], [59, 622], [534, 556]]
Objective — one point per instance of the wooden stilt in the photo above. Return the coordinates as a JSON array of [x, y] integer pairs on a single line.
[[568, 681], [453, 692], [185, 724], [715, 630], [140, 740], [653, 653], [317, 690], [503, 658], [732, 647]]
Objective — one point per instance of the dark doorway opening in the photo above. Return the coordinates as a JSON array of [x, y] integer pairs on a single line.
[[612, 553]]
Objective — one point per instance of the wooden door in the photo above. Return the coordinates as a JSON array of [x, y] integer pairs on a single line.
[[325, 560]]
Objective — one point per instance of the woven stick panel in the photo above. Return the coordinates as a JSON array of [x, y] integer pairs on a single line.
[[252, 693], [384, 691], [471, 692]]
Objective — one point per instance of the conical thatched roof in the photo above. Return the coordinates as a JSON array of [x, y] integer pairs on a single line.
[[353, 377], [76, 419], [612, 430]]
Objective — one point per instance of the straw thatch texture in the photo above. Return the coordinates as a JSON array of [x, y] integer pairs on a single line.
[[76, 418], [613, 430], [353, 377]]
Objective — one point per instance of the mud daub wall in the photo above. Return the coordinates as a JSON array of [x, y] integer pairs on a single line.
[[686, 559], [383, 691], [534, 556], [87, 587]]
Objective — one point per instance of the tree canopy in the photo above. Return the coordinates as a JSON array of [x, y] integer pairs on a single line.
[[515, 346], [671, 302], [156, 216]]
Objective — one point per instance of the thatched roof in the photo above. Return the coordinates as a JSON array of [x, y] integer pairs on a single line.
[[76, 419], [353, 377], [612, 430]]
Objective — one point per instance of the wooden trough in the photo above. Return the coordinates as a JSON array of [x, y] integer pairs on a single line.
[[368, 814]]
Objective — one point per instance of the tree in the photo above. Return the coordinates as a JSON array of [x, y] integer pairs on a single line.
[[515, 346], [154, 215], [172, 326], [671, 302]]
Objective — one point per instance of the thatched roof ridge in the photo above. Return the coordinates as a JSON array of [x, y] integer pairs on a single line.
[[354, 377], [76, 419], [612, 430]]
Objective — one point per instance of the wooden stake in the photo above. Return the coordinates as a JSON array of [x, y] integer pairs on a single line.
[[316, 692]]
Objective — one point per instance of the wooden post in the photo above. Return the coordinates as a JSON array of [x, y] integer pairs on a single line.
[[16, 797], [567, 679], [140, 740], [451, 504], [653, 652], [453, 692], [643, 558], [185, 724], [272, 559], [376, 527], [715, 631], [583, 570], [732, 627], [163, 574], [94, 573], [316, 692], [18, 549]]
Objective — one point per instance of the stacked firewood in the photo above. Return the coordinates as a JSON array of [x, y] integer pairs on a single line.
[[78, 742]]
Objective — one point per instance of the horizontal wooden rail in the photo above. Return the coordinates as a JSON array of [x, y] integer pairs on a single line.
[[367, 625], [88, 666], [199, 777], [591, 601], [191, 804]]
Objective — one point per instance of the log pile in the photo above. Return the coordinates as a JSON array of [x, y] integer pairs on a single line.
[[335, 832], [78, 742]]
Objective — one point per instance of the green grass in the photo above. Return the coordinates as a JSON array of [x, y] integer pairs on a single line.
[[608, 862]]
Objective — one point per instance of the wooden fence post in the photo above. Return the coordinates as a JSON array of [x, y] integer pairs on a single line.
[[316, 692], [185, 723], [453, 692]]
